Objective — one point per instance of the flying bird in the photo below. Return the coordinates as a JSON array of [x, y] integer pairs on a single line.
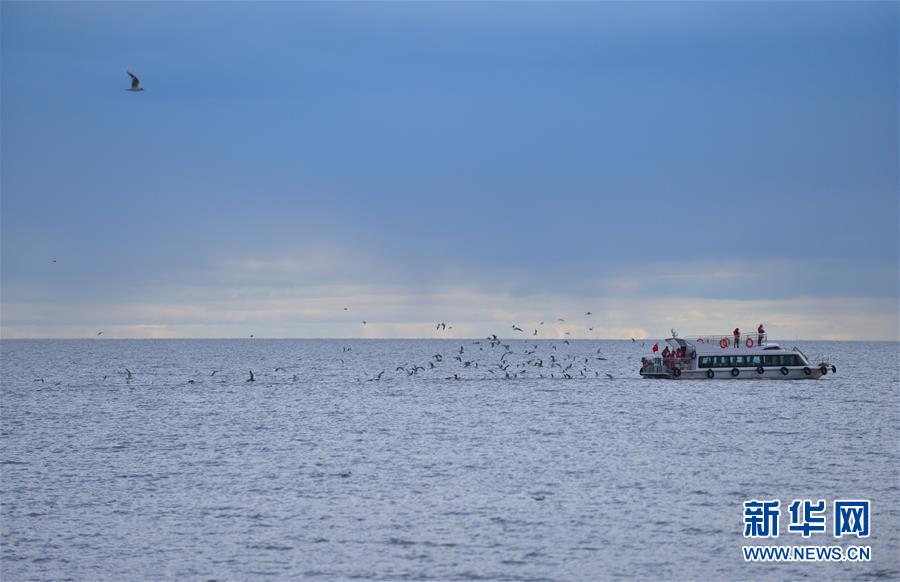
[[99, 333], [252, 378], [135, 82]]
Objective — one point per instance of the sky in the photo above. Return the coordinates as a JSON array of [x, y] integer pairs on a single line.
[[696, 165]]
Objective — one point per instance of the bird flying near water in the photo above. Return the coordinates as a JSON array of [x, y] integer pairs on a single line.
[[135, 82]]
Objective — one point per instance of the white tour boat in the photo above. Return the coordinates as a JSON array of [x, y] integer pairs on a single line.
[[733, 357]]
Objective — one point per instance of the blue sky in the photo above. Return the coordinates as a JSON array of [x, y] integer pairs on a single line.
[[699, 165]]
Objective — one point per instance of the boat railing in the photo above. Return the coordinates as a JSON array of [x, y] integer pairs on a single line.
[[727, 341]]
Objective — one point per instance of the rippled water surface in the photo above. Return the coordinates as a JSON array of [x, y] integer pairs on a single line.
[[315, 470]]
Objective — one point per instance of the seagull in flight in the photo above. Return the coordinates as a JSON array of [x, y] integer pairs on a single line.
[[135, 82], [99, 333]]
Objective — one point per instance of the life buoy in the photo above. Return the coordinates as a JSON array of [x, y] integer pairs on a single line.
[[824, 369], [833, 369], [807, 371], [749, 342], [735, 372], [785, 371], [723, 343], [710, 374], [760, 370], [676, 372]]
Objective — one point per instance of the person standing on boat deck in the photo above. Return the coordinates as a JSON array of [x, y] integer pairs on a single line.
[[761, 333], [737, 337]]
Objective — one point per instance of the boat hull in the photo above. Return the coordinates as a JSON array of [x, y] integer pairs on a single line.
[[794, 373]]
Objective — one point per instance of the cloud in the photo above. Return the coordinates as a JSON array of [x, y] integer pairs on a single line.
[[396, 312], [303, 292]]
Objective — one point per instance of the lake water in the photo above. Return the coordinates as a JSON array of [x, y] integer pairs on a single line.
[[315, 471]]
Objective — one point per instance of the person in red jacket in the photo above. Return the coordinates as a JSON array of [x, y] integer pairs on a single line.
[[760, 334], [737, 337]]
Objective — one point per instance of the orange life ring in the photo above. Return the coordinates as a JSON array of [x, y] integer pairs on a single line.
[[723, 343], [749, 342]]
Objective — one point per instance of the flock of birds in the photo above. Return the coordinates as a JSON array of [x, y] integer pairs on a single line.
[[490, 358], [505, 359]]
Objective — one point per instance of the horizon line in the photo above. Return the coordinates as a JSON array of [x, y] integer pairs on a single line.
[[394, 339]]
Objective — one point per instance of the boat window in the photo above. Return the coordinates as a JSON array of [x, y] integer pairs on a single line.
[[749, 361]]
